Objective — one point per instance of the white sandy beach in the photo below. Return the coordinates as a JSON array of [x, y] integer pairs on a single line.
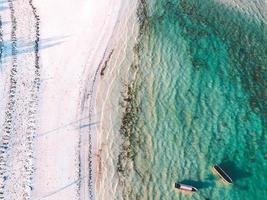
[[58, 158], [65, 69]]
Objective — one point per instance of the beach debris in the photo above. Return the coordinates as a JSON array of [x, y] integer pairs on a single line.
[[105, 63]]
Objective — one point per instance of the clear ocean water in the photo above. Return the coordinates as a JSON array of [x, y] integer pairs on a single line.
[[199, 99]]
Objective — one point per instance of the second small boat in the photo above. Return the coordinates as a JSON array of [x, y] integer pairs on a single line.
[[184, 187], [222, 174]]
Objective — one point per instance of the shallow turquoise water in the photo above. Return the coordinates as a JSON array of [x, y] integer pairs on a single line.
[[200, 99]]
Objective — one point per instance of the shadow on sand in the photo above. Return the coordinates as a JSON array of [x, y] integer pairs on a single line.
[[28, 46]]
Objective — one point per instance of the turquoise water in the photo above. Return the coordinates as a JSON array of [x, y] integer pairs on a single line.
[[199, 99]]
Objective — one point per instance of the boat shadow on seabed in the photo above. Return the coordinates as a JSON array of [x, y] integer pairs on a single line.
[[198, 184], [236, 173]]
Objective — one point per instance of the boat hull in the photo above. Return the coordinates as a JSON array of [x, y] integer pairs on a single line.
[[184, 187], [226, 178]]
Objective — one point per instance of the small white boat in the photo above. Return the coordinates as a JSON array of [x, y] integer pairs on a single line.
[[184, 187]]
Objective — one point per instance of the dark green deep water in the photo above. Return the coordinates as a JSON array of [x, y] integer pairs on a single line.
[[199, 99]]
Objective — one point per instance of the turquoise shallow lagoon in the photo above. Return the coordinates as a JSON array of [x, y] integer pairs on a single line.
[[199, 99]]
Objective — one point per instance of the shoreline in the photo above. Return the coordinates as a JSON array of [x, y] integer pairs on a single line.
[[106, 100]]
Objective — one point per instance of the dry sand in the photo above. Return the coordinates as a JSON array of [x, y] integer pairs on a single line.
[[80, 31], [52, 56]]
